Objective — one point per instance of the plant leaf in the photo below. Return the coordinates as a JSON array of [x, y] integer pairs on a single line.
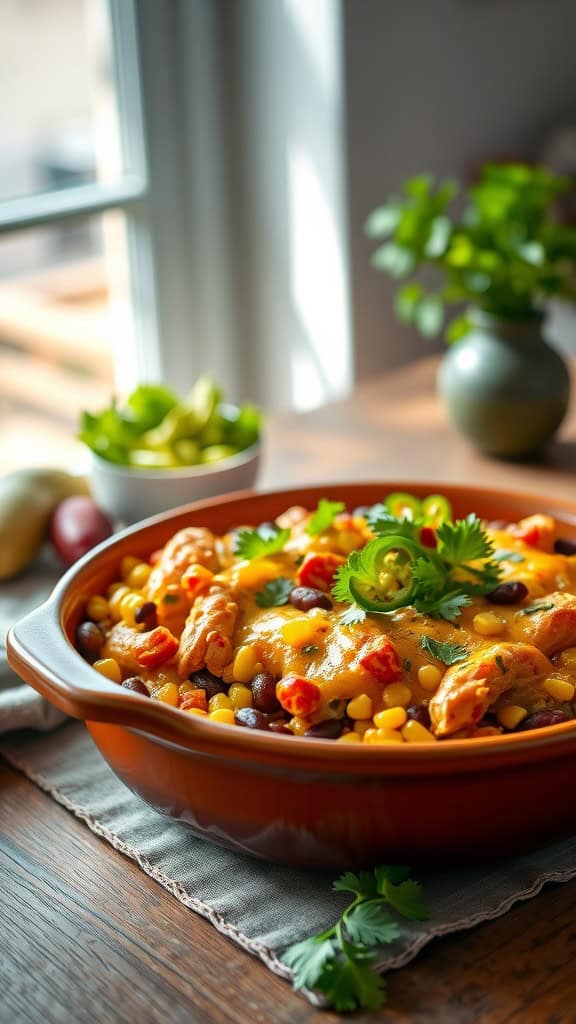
[[406, 300], [449, 654], [266, 539], [371, 924], [406, 898], [396, 259], [352, 985], [324, 516], [275, 593], [361, 884], [429, 315], [382, 221], [308, 960]]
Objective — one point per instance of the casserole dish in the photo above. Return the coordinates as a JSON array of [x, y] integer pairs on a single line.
[[305, 801]]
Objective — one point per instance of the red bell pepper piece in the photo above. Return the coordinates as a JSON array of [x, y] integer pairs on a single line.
[[318, 570], [382, 661]]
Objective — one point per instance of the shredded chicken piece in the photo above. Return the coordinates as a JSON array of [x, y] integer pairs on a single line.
[[191, 545], [206, 640], [553, 628], [468, 689]]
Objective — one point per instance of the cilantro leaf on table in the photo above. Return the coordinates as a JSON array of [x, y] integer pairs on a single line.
[[266, 539], [340, 961], [324, 516], [448, 653], [275, 593]]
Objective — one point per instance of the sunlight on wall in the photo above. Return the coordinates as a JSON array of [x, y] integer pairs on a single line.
[[321, 364]]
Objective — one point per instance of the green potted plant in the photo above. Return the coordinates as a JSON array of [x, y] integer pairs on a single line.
[[497, 258]]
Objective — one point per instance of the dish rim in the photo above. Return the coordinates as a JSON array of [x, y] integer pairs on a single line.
[[102, 700]]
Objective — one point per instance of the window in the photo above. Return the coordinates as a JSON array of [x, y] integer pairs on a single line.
[[170, 204]]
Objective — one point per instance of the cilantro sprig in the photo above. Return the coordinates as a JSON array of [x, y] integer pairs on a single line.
[[266, 539], [438, 581], [340, 962], [275, 593], [324, 516], [448, 653]]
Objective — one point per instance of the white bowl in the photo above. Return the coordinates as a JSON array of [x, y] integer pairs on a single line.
[[128, 494]]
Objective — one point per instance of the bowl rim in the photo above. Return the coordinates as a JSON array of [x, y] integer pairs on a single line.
[[114, 469], [99, 699]]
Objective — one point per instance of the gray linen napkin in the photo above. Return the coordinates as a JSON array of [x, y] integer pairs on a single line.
[[20, 706], [262, 907]]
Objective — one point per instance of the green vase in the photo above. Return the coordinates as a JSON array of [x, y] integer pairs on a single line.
[[504, 387]]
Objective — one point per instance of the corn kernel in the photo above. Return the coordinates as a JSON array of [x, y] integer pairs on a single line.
[[559, 689], [196, 711], [361, 726], [129, 605], [349, 737], [219, 702], [488, 624], [185, 687], [126, 566], [113, 588], [225, 715], [568, 657], [511, 715], [245, 661], [168, 694], [240, 695], [300, 632], [382, 736], [299, 725], [359, 707], [110, 668], [115, 600], [397, 695], [138, 577], [97, 608], [349, 540], [254, 575], [413, 732], [391, 718], [429, 677]]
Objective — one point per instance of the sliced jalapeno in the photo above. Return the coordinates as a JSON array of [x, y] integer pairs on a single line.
[[402, 505], [436, 509], [386, 580]]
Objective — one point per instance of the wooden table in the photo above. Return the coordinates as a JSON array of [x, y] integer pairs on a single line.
[[85, 936]]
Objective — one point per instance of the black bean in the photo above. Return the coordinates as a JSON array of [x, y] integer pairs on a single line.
[[508, 593], [89, 641], [146, 615], [280, 727], [554, 716], [251, 718], [419, 713], [263, 688], [305, 598], [563, 546], [136, 685], [331, 729], [204, 680]]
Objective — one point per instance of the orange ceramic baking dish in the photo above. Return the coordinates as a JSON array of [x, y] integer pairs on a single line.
[[308, 802]]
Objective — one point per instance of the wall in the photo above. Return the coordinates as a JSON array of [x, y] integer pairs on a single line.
[[438, 85]]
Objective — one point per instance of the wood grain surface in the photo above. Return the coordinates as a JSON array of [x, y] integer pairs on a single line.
[[87, 938]]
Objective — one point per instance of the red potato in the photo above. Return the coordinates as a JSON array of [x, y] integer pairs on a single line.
[[77, 525]]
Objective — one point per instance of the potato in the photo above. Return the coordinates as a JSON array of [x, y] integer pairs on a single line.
[[27, 499], [77, 525]]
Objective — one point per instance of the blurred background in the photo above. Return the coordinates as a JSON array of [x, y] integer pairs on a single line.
[[184, 186]]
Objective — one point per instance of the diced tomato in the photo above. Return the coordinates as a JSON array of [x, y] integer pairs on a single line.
[[428, 537], [318, 570], [382, 661], [193, 699], [196, 580], [298, 695], [539, 531], [156, 647]]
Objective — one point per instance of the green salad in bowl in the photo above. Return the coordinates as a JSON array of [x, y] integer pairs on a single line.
[[156, 451], [155, 429]]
